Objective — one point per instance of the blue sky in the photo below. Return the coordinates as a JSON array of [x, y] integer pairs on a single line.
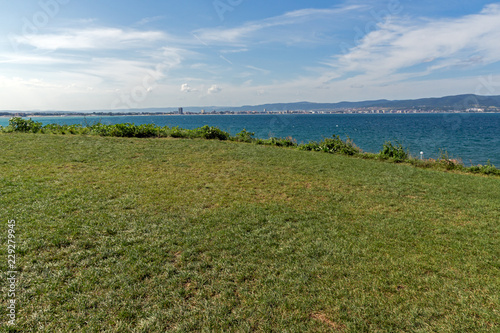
[[95, 55]]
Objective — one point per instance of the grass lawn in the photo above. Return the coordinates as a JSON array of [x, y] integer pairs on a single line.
[[155, 235]]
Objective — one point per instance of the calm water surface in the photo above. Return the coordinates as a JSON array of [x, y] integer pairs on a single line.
[[472, 137]]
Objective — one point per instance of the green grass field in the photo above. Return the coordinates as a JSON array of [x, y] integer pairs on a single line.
[[156, 235]]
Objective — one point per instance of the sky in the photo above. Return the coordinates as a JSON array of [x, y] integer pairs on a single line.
[[99, 55]]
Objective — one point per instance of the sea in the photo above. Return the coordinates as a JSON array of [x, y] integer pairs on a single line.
[[473, 138]]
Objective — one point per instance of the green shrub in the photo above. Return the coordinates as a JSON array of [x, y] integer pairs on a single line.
[[279, 142], [100, 129], [7, 129], [394, 152], [22, 125], [52, 129], [244, 136], [260, 141], [310, 146], [126, 130], [84, 130], [123, 130], [488, 169], [147, 131], [73, 129], [448, 163], [177, 132], [211, 133], [336, 145], [283, 142]]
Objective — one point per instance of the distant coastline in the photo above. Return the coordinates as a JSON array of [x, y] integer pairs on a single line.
[[468, 103], [212, 113]]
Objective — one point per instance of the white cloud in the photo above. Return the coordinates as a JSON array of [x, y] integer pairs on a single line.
[[54, 77], [30, 59], [239, 50], [261, 70], [238, 34], [402, 49], [148, 20], [93, 38], [214, 89], [171, 56], [186, 88]]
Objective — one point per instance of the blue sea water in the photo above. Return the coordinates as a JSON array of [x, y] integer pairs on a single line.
[[473, 138]]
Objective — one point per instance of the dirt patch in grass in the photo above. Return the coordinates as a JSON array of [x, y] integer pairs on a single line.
[[324, 319]]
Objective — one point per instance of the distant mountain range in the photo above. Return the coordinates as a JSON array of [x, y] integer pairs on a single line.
[[457, 102]]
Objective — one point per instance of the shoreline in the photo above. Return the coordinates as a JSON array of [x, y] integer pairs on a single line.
[[394, 153], [237, 114], [432, 151]]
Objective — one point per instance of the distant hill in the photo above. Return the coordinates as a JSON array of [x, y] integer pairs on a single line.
[[458, 102]]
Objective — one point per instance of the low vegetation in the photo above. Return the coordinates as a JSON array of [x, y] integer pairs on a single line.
[[164, 235], [146, 235], [395, 152], [390, 152]]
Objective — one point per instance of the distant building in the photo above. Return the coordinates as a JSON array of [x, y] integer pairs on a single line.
[[202, 111], [181, 111]]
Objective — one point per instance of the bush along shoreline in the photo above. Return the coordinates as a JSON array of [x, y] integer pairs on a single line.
[[391, 152]]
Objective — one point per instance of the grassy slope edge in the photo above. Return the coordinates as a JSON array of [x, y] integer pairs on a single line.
[[149, 235], [334, 145]]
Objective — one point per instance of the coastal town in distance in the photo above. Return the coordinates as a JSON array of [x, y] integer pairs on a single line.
[[249, 112], [450, 104]]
